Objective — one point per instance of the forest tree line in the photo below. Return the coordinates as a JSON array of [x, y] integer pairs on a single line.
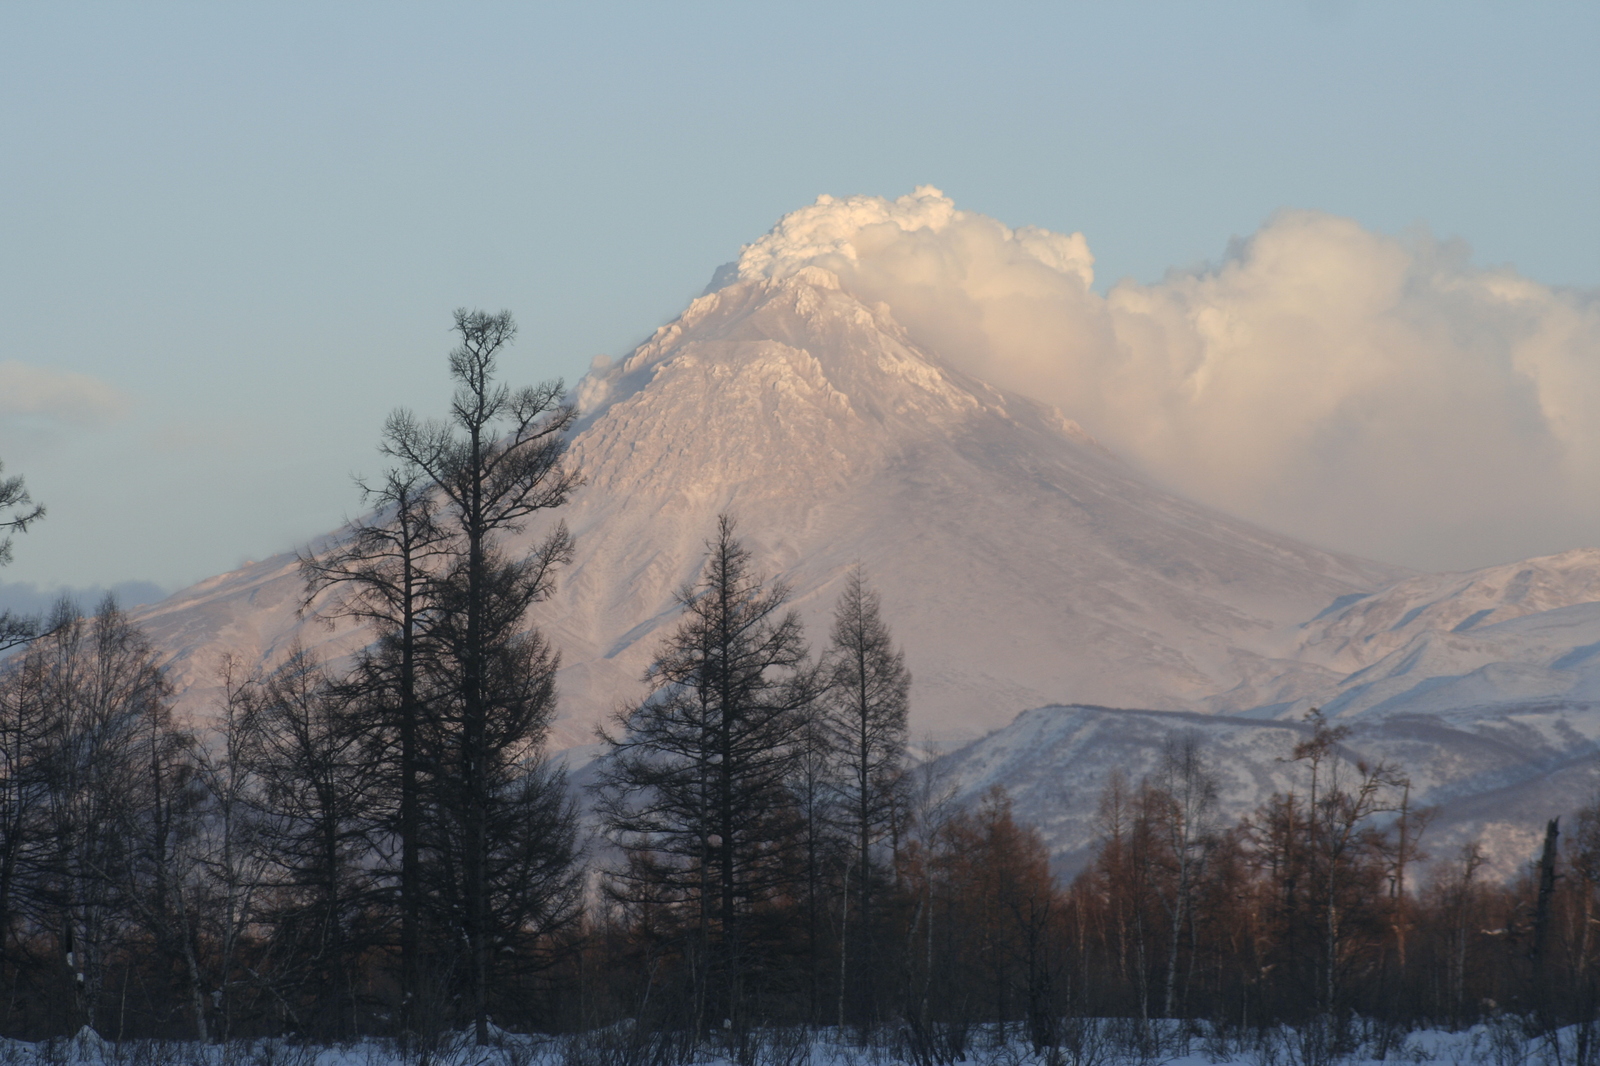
[[386, 848]]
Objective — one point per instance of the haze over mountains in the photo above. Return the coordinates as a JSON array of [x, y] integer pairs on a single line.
[[1021, 564]]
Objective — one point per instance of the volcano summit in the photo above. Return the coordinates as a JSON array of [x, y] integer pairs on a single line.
[[1022, 566], [1020, 563]]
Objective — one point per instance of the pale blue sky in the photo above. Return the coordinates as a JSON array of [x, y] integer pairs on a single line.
[[253, 221]]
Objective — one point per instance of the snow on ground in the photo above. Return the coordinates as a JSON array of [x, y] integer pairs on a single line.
[[1504, 1041]]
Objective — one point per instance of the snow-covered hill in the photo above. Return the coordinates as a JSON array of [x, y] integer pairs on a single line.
[[1496, 780], [1483, 686]]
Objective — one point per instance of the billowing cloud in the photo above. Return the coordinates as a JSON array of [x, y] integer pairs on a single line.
[[1377, 394], [63, 395]]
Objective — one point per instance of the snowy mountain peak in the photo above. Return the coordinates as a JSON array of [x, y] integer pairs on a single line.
[[1018, 560], [793, 357], [1019, 563]]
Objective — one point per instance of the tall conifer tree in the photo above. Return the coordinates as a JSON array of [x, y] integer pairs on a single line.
[[383, 574], [695, 788], [462, 686], [497, 461]]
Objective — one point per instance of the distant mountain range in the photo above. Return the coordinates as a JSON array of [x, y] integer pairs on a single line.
[[25, 598]]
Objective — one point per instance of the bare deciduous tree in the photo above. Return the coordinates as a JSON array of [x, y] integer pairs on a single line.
[[1181, 802], [868, 699], [106, 702]]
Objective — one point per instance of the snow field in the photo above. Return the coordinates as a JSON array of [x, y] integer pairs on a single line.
[[1504, 1041]]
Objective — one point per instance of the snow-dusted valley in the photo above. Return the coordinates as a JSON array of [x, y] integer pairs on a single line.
[[1060, 613]]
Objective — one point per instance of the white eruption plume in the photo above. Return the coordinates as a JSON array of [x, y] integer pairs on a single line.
[[1376, 394]]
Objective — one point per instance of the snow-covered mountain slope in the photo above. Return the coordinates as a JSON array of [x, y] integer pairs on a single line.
[[1357, 633], [1471, 644], [235, 623], [1019, 563], [1017, 560], [1495, 780], [1483, 686]]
